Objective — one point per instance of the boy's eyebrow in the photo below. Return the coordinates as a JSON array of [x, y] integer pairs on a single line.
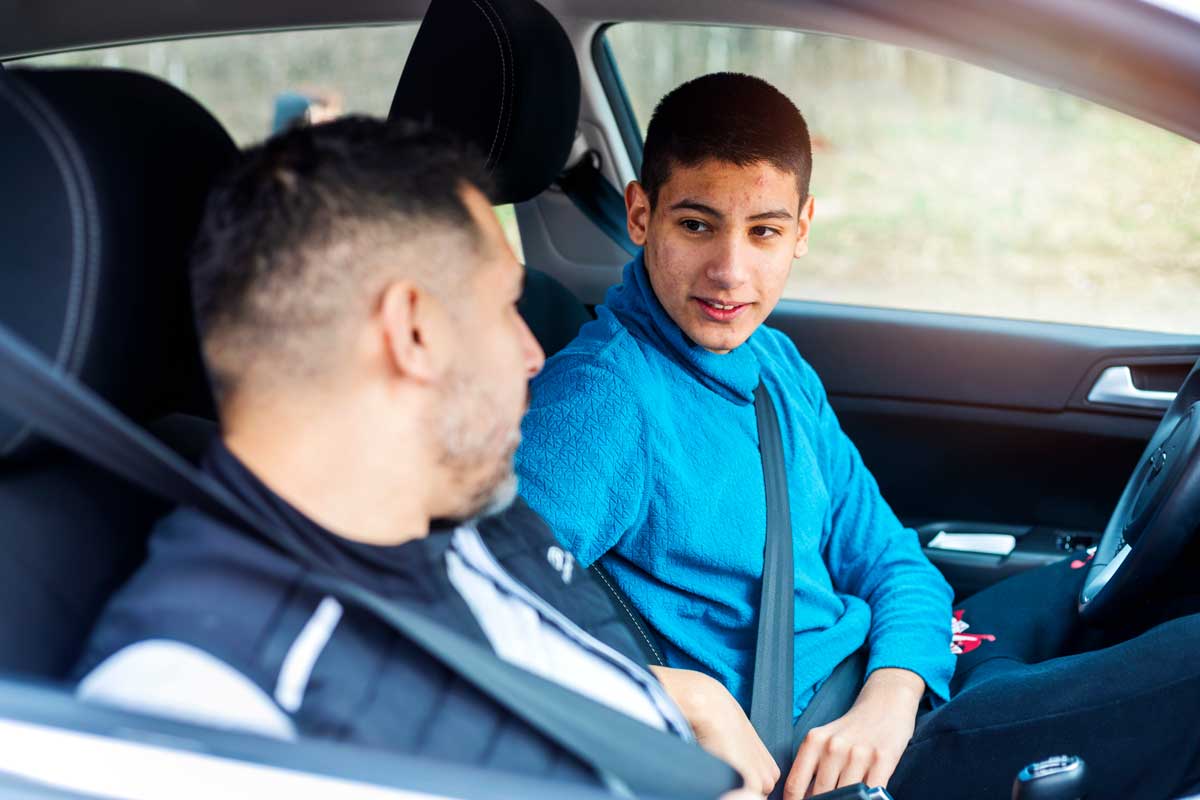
[[777, 213], [695, 205], [688, 204]]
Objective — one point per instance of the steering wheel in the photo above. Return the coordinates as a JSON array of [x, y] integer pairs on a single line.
[[1156, 517]]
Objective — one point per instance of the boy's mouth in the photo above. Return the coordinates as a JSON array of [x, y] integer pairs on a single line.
[[720, 312]]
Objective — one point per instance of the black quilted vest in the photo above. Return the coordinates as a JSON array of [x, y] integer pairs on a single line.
[[222, 590]]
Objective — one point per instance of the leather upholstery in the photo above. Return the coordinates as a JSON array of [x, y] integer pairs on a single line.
[[502, 76], [103, 176]]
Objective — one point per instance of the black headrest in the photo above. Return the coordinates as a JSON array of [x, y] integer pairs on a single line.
[[103, 176], [501, 75]]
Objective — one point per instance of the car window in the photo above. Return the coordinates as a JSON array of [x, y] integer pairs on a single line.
[[257, 84], [946, 187]]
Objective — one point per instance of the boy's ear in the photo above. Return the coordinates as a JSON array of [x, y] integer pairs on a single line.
[[637, 213], [803, 225], [416, 331]]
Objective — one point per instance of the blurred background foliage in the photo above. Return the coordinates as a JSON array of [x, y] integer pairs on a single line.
[[239, 77], [939, 185], [943, 186]]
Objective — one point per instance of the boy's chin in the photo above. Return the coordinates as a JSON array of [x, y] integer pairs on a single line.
[[721, 341]]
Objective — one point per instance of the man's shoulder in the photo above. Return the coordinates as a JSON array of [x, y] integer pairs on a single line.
[[194, 547], [527, 549], [523, 543], [516, 529], [203, 583]]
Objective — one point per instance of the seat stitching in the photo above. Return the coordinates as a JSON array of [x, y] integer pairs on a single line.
[[81, 297], [84, 309], [54, 136], [510, 79], [503, 79], [653, 650]]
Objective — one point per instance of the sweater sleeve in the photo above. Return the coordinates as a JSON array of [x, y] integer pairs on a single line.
[[581, 463], [871, 555]]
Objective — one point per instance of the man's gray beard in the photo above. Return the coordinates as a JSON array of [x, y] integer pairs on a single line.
[[501, 498], [465, 446], [492, 497]]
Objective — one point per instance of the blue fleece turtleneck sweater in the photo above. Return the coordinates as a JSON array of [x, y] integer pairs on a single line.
[[642, 447]]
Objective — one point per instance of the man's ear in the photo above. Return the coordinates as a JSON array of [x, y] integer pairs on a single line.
[[803, 224], [416, 331], [637, 213]]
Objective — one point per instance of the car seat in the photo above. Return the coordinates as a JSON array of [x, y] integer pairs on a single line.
[[105, 176], [501, 75]]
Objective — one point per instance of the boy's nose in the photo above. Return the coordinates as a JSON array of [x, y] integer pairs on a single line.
[[729, 265]]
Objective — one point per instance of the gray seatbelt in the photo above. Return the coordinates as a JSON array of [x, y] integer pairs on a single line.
[[623, 751], [835, 697], [773, 689]]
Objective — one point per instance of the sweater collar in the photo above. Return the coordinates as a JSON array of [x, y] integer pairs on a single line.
[[733, 375]]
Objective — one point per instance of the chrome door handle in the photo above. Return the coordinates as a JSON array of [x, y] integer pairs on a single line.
[[1115, 387]]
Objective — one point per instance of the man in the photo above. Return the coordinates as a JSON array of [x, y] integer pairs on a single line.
[[356, 300], [641, 448]]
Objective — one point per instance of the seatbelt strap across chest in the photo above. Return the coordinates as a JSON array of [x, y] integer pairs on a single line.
[[773, 686]]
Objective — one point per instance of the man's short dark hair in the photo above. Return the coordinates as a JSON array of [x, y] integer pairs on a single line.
[[298, 235], [729, 117]]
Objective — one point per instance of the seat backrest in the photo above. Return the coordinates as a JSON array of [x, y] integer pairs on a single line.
[[103, 176], [551, 311], [501, 76]]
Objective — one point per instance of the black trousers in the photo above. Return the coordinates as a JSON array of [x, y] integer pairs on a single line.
[[1127, 702]]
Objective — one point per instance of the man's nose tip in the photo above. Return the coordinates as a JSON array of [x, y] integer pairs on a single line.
[[535, 359]]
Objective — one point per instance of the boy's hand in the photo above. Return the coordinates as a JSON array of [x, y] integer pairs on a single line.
[[721, 726], [866, 744]]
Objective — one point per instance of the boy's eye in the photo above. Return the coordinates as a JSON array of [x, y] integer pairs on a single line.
[[694, 225], [763, 232]]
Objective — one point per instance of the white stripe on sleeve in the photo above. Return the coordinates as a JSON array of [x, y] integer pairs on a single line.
[[304, 652], [167, 678]]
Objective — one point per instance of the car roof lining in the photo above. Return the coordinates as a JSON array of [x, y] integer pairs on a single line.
[[1135, 57]]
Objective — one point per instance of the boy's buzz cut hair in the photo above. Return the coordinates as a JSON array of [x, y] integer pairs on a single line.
[[726, 116]]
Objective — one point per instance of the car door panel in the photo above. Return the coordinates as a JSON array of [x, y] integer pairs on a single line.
[[950, 358], [979, 424]]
